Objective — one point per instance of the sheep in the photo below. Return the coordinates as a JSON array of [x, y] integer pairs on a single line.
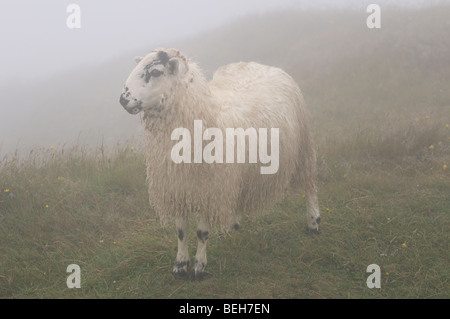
[[172, 92]]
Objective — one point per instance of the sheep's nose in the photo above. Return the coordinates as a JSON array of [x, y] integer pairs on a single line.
[[123, 101]]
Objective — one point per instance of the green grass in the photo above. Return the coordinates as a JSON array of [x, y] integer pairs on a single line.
[[380, 119], [91, 209]]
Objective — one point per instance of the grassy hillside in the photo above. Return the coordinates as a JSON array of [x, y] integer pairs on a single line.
[[380, 105]]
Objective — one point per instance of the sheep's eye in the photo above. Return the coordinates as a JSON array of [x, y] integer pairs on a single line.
[[155, 73]]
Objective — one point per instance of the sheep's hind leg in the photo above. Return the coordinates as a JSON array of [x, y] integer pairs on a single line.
[[312, 212], [180, 269], [198, 269], [236, 224]]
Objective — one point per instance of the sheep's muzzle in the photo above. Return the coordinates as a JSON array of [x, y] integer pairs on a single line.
[[135, 108]]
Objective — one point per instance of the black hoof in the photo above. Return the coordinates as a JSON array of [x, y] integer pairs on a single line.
[[197, 276], [312, 230], [180, 270], [180, 275], [314, 227], [198, 272]]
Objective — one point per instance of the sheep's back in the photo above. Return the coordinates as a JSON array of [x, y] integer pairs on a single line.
[[257, 94], [260, 96]]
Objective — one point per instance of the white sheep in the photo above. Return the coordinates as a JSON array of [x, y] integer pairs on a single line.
[[172, 93]]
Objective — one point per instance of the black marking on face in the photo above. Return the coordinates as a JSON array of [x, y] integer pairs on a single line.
[[147, 76], [151, 65], [154, 73], [123, 101], [180, 234], [163, 57]]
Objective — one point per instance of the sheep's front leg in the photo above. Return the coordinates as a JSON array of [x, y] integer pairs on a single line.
[[312, 211], [180, 269], [200, 257]]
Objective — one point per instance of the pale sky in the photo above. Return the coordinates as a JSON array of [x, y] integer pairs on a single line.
[[36, 42]]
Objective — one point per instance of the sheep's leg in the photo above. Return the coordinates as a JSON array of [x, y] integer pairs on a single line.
[[180, 269], [235, 224], [200, 257], [312, 211]]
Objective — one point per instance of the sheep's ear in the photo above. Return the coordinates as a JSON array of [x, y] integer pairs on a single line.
[[138, 59], [173, 66]]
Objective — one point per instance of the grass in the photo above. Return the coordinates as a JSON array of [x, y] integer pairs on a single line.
[[381, 122], [84, 207]]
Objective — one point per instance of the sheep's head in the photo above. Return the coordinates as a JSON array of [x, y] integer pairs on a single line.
[[152, 81]]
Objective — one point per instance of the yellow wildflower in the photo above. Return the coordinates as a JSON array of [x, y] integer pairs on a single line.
[[444, 167], [46, 206], [52, 147], [6, 190], [431, 146], [404, 245], [446, 125]]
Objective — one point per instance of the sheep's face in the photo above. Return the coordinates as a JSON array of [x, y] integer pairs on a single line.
[[150, 83]]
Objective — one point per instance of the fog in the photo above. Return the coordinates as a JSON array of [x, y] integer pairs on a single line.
[[37, 43], [60, 85]]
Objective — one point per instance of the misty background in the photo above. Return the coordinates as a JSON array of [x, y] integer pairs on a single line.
[[60, 86]]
